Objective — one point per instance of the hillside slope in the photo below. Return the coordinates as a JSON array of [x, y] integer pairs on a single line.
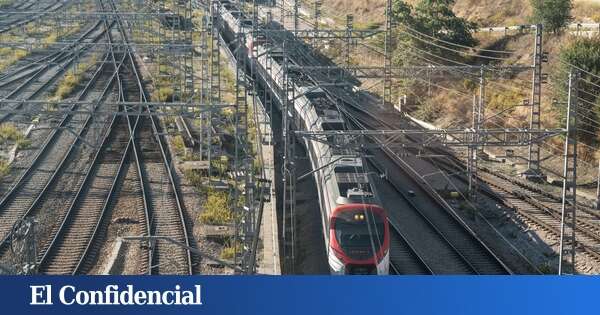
[[484, 12]]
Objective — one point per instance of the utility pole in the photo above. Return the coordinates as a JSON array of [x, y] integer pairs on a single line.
[[317, 18], [282, 12], [289, 173], [296, 16], [204, 86], [534, 171], [478, 116], [387, 64], [568, 243], [349, 27], [215, 71], [317, 14]]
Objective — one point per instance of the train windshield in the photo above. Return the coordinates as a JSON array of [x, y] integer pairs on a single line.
[[360, 233]]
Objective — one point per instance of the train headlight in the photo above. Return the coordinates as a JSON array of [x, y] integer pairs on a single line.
[[359, 217]]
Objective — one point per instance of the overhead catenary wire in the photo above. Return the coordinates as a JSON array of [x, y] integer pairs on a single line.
[[455, 44], [453, 50]]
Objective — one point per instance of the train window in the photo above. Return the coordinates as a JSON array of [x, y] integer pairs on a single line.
[[360, 233], [349, 169], [332, 126]]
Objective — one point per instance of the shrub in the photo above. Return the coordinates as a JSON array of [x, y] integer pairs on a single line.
[[434, 18], [229, 251], [221, 165], [547, 269], [178, 145], [216, 209], [195, 179], [8, 132], [71, 80], [4, 168], [163, 94], [583, 53], [554, 14], [23, 144]]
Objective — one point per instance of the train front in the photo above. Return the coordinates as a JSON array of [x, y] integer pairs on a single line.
[[359, 240]]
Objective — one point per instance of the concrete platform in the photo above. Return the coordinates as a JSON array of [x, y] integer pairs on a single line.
[[268, 252]]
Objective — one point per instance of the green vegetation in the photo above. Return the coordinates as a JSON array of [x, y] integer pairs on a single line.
[[554, 14], [5, 3], [10, 133], [163, 94], [178, 144], [505, 99], [8, 56], [217, 209], [195, 179], [221, 165], [585, 54], [434, 18], [230, 250], [71, 80], [4, 168], [547, 269]]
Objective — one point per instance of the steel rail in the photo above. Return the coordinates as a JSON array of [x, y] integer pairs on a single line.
[[46, 263], [62, 162], [164, 153], [404, 258], [57, 5], [41, 152], [451, 215], [131, 147], [467, 233], [62, 68], [46, 61]]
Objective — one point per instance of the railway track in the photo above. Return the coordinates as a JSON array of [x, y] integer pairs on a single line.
[[49, 183], [34, 79], [135, 140], [404, 259], [544, 212], [43, 139], [533, 206], [13, 21], [72, 243], [165, 210], [64, 252], [434, 230]]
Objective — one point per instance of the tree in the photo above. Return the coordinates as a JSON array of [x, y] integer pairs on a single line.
[[583, 53], [554, 14], [433, 18]]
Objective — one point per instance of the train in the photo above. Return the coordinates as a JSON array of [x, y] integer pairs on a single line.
[[355, 225]]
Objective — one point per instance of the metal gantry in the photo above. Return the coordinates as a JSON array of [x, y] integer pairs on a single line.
[[568, 242], [289, 164], [184, 70], [534, 171], [387, 64]]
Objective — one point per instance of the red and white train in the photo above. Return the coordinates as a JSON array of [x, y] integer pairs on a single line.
[[355, 227]]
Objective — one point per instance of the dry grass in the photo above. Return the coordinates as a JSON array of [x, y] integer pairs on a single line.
[[217, 210], [484, 12], [4, 168], [587, 10], [72, 80]]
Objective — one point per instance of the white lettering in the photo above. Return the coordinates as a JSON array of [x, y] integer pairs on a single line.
[[61, 295], [41, 291]]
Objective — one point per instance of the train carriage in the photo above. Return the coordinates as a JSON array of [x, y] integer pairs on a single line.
[[355, 227]]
